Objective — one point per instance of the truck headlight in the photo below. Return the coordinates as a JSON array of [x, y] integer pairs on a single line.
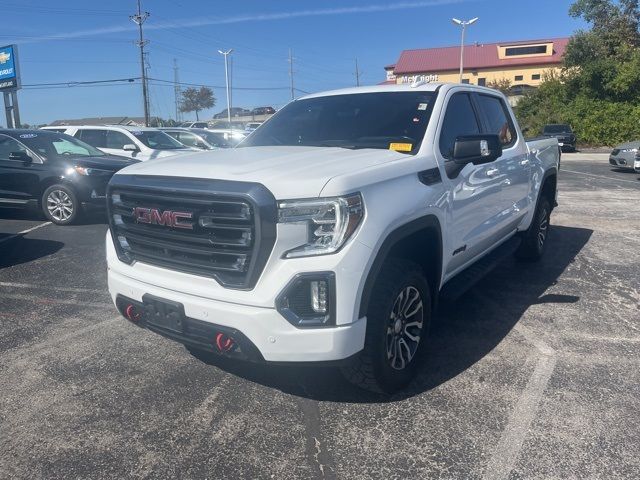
[[330, 222]]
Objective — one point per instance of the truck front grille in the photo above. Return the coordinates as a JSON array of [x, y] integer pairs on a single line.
[[213, 228]]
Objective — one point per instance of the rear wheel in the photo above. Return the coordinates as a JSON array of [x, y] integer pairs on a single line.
[[398, 321], [534, 240], [60, 205]]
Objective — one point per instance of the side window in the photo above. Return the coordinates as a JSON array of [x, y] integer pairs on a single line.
[[459, 120], [187, 139], [95, 138], [9, 145], [116, 140], [498, 119]]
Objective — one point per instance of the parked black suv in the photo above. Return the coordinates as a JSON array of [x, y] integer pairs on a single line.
[[564, 134], [54, 172]]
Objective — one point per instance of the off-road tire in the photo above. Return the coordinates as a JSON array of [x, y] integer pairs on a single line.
[[372, 370], [535, 239]]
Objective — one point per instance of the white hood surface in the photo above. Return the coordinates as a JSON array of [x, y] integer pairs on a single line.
[[288, 172]]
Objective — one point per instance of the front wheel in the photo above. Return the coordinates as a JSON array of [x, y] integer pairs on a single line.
[[60, 205], [534, 240], [398, 321]]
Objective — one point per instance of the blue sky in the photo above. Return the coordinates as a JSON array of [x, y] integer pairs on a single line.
[[78, 40]]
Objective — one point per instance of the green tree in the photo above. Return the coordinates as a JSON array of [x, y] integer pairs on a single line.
[[196, 100], [598, 90], [504, 85]]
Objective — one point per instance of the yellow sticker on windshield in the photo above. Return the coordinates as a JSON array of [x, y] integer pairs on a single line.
[[401, 147]]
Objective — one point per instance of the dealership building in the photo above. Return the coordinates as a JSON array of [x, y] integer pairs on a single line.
[[523, 63]]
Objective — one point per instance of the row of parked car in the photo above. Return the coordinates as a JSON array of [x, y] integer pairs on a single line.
[[244, 112], [142, 143], [625, 156], [64, 170]]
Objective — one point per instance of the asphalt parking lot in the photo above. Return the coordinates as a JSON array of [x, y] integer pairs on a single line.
[[533, 374]]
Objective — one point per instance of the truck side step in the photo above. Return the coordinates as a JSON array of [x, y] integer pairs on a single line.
[[458, 285]]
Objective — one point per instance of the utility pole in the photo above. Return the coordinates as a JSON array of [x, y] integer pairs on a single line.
[[464, 24], [226, 74], [293, 95], [139, 18], [357, 74], [176, 88]]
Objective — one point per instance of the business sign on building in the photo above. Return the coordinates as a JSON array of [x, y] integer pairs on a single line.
[[9, 71], [427, 78]]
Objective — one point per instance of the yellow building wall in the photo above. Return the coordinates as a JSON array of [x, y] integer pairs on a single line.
[[490, 75]]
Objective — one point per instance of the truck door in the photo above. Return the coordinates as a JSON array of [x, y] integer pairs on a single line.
[[514, 166], [475, 204]]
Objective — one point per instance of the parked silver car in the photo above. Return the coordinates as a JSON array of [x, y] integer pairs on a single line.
[[623, 156]]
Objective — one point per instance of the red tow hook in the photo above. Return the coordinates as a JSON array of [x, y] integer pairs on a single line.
[[224, 342], [132, 313]]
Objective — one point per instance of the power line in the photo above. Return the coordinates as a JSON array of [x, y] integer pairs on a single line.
[[73, 83]]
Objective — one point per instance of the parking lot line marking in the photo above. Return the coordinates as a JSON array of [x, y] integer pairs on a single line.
[[24, 232], [507, 451], [635, 182], [47, 287]]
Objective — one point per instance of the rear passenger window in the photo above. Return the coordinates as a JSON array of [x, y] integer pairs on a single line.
[[116, 140], [95, 138], [498, 119], [459, 120]]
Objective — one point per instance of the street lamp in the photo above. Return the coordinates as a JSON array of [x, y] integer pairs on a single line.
[[226, 74], [463, 24]]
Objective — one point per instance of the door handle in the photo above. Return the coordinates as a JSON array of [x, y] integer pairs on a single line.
[[524, 163], [491, 172]]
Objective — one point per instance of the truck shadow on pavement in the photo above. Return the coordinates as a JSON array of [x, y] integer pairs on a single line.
[[19, 250], [461, 334]]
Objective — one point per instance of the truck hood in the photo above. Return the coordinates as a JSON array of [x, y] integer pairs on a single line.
[[288, 172]]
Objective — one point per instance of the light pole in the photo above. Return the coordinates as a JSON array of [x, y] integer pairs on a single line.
[[226, 74], [463, 24]]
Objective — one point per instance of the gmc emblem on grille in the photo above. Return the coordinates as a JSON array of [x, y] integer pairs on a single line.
[[168, 218]]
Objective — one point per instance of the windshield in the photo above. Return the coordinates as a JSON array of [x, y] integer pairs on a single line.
[[557, 129], [53, 145], [382, 120], [157, 140]]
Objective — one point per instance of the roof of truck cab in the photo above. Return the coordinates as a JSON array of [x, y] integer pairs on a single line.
[[420, 87]]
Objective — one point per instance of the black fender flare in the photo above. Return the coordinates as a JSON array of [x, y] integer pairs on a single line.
[[427, 222]]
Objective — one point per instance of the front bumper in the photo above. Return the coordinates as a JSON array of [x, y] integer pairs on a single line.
[[622, 160], [274, 338]]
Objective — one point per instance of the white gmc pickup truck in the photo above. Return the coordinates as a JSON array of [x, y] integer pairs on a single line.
[[331, 232]]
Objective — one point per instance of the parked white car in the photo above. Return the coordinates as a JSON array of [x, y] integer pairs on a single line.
[[134, 142]]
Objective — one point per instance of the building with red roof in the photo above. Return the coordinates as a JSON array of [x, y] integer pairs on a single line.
[[523, 63]]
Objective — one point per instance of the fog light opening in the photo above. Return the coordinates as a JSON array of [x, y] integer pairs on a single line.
[[224, 342]]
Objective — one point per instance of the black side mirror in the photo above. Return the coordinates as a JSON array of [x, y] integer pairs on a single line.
[[20, 156], [477, 149]]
